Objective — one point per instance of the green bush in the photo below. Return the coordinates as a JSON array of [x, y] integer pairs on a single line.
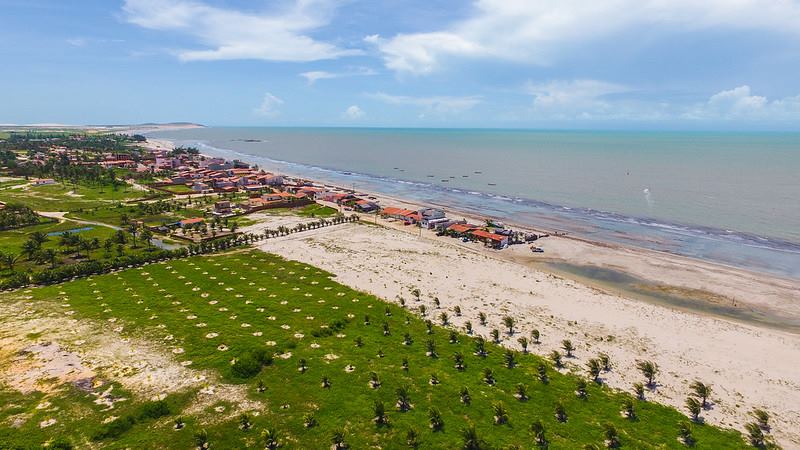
[[115, 429], [246, 366], [154, 410]]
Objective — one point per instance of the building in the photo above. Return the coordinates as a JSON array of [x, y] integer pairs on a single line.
[[490, 239], [43, 181], [461, 229], [223, 208], [190, 222]]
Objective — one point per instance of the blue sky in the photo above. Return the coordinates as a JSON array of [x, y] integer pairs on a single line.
[[639, 64]]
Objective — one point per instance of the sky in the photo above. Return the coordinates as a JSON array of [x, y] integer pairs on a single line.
[[583, 64]]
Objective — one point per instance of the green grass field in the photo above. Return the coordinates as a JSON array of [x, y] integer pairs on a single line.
[[219, 309], [316, 210], [60, 197], [12, 240]]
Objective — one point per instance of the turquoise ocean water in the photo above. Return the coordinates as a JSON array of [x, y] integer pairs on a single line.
[[732, 198]]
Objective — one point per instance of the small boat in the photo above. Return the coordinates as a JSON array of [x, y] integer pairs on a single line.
[[492, 184], [478, 171], [431, 176], [348, 173], [445, 181], [464, 176]]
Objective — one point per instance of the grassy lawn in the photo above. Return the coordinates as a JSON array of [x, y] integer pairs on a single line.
[[315, 210], [179, 189], [226, 307], [60, 197], [12, 240]]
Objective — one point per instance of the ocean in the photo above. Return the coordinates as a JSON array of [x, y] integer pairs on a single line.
[[731, 198]]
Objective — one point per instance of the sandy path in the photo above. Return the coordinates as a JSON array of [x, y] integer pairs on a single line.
[[748, 366]]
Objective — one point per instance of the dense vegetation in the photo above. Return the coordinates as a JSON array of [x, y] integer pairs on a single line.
[[331, 365], [14, 215]]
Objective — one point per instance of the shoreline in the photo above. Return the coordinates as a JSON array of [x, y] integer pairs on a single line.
[[767, 296]]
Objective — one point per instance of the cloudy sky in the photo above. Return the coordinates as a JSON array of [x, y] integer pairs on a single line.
[[638, 64]]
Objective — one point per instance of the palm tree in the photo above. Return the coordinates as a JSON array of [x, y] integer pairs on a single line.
[[488, 376], [9, 259], [555, 356], [301, 365], [465, 397], [523, 342], [407, 339], [560, 412], [566, 344], [762, 417], [430, 346], [480, 347], [611, 436], [387, 311], [510, 359], [580, 389], [374, 381], [535, 336], [482, 318], [542, 371], [468, 327], [638, 389], [359, 341], [435, 419], [508, 321], [436, 302], [133, 230], [326, 382], [244, 422], [458, 358], [412, 438], [471, 440], [260, 387], [429, 326], [605, 361], [694, 408], [201, 440], [50, 255], [685, 433], [179, 424], [337, 439], [755, 435], [538, 433], [147, 237], [593, 367], [416, 293], [366, 319], [434, 379], [453, 337], [443, 317], [309, 421], [500, 413], [405, 364], [422, 310], [403, 400], [649, 369], [701, 390], [496, 336], [628, 408], [457, 310], [386, 331], [379, 414], [521, 392]]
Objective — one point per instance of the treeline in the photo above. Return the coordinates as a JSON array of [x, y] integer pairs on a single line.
[[17, 216]]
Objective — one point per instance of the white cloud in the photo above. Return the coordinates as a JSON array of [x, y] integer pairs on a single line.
[[313, 76], [279, 35], [353, 112], [437, 104], [536, 31], [583, 98], [740, 103], [77, 42], [269, 106]]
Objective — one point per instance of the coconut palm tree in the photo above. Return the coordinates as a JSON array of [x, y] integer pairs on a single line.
[[309, 421], [435, 419], [510, 358], [302, 366], [457, 310], [260, 387], [359, 341], [593, 366], [402, 302], [387, 311], [480, 347], [422, 310], [560, 412], [755, 435], [521, 392], [403, 400], [405, 364], [580, 389], [386, 331], [443, 318], [762, 418], [434, 379], [701, 390], [482, 318], [374, 381], [412, 438], [500, 413], [453, 339], [685, 433], [429, 326], [567, 346], [326, 382], [508, 321], [366, 319], [694, 407], [430, 347], [201, 440], [611, 436], [628, 408], [458, 358], [523, 342], [379, 413], [436, 302], [471, 440], [468, 327], [244, 422], [488, 376], [542, 374], [555, 356], [605, 361], [495, 336], [416, 293], [537, 428], [535, 336], [338, 440], [638, 389], [407, 339], [649, 369], [465, 397]]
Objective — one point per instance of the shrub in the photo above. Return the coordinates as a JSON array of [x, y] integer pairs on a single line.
[[154, 410], [246, 366]]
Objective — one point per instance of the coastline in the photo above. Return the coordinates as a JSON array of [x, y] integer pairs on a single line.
[[713, 347]]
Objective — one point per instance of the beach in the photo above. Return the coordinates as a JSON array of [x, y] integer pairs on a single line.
[[735, 329]]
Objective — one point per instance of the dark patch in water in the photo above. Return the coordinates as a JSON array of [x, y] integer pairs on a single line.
[[685, 299]]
